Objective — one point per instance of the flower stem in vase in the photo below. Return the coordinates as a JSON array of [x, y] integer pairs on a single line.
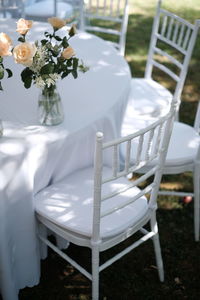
[[50, 107]]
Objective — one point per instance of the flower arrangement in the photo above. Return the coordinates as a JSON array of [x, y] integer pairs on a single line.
[[5, 50], [45, 62], [48, 60]]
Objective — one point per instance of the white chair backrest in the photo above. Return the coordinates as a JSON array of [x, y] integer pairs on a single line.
[[152, 143], [11, 8], [197, 119], [111, 13], [177, 33]]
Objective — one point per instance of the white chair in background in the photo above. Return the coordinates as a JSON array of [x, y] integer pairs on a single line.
[[99, 208], [111, 18], [11, 8], [183, 156], [43, 9], [171, 35]]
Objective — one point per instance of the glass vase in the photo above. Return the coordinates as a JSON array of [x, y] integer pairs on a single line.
[[50, 109]]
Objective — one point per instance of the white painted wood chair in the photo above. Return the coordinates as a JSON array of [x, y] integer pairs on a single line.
[[99, 207], [11, 8], [183, 156], [172, 41], [112, 18]]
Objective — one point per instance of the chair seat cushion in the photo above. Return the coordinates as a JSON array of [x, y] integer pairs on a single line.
[[183, 145], [149, 98], [46, 9], [182, 149], [69, 204]]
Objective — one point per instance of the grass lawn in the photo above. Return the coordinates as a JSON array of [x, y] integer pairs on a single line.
[[135, 276]]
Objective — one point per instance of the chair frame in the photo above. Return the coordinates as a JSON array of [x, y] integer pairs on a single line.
[[195, 169], [121, 20], [18, 7], [98, 244], [173, 37]]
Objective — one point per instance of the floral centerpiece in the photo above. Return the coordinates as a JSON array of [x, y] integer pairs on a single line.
[[5, 50], [45, 62]]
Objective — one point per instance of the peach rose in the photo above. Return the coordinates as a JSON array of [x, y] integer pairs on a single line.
[[56, 23], [23, 26], [68, 53], [5, 38], [24, 53], [5, 44]]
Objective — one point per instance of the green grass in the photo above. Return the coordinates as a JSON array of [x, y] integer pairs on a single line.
[[135, 276]]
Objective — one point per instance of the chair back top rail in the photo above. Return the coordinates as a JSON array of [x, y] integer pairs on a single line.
[[106, 7]]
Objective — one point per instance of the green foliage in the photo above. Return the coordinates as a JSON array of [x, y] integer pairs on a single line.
[[27, 76], [2, 72]]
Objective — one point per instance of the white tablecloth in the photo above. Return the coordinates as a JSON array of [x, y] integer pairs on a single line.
[[32, 156]]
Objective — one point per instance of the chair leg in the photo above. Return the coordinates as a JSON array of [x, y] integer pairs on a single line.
[[95, 273], [196, 179], [157, 249]]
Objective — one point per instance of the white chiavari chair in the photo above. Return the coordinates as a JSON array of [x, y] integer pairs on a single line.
[[183, 156], [11, 8], [171, 46], [111, 18], [98, 207]]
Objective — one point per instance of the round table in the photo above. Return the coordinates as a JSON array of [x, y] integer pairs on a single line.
[[46, 8], [33, 156]]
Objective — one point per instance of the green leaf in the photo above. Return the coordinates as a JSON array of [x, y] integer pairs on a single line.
[[1, 89], [65, 42], [83, 68], [72, 31], [69, 62], [43, 42], [1, 73], [55, 52], [47, 69], [10, 74], [57, 38], [1, 59], [26, 74], [27, 82], [66, 73], [75, 63], [21, 39], [75, 74], [46, 34]]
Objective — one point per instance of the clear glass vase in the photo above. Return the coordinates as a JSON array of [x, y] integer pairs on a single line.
[[1, 128], [50, 109]]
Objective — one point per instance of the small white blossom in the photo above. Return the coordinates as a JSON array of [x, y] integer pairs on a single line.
[[40, 59], [39, 82], [52, 79]]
